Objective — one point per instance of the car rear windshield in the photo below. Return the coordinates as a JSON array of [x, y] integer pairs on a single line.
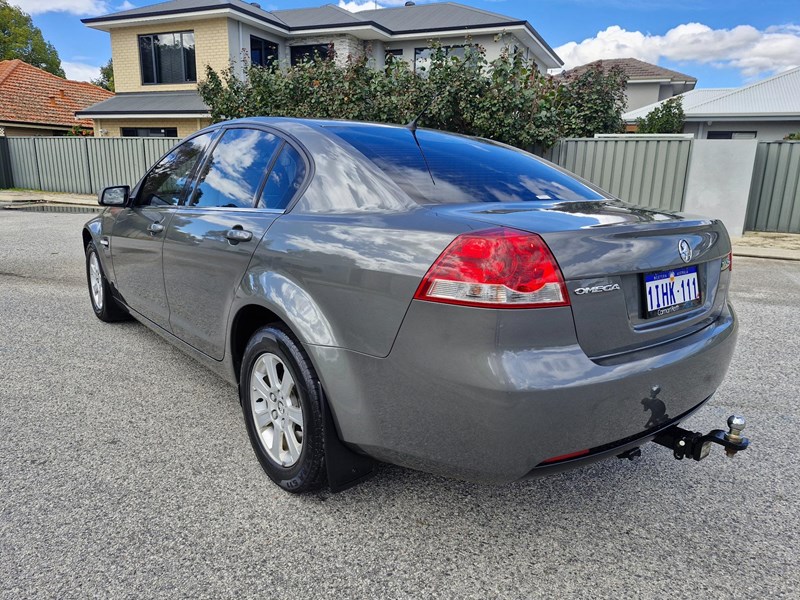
[[439, 168]]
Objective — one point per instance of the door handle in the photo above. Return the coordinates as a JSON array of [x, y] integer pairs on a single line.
[[238, 235], [155, 228]]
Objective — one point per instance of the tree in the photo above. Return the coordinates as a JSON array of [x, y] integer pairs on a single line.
[[793, 137], [106, 79], [594, 102], [19, 38], [667, 117]]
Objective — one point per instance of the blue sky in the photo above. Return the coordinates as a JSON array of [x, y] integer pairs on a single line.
[[723, 44]]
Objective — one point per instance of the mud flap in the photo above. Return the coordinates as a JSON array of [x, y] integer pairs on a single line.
[[345, 467]]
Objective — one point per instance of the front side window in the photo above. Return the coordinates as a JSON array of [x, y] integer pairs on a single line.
[[262, 52], [284, 179], [166, 181], [233, 174], [309, 52], [168, 58]]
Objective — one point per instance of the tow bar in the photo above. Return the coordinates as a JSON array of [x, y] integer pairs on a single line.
[[692, 444]]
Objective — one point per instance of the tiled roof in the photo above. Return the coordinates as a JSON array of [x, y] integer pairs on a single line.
[[634, 69], [777, 96], [30, 95]]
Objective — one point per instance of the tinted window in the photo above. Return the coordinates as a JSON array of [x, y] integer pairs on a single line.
[[166, 181], [149, 131], [167, 57], [236, 168], [422, 56], [284, 180], [262, 52], [310, 52], [461, 169]]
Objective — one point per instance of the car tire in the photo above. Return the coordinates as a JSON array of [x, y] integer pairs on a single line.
[[104, 305], [283, 416]]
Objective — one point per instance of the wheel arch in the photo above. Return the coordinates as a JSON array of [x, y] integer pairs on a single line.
[[246, 321]]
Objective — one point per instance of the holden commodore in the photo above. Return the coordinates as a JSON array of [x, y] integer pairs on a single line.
[[441, 302]]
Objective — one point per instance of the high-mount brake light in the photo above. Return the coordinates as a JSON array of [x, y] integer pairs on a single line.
[[496, 268]]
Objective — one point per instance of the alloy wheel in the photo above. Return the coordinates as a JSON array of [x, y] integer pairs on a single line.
[[277, 413]]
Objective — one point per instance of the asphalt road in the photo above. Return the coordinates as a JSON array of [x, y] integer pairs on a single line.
[[125, 471]]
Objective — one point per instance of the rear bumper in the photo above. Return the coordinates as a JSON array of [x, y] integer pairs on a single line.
[[488, 395]]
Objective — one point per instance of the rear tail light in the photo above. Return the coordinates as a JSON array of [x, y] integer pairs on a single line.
[[495, 268], [727, 262]]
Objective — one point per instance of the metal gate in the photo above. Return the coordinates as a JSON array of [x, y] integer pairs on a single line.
[[775, 192]]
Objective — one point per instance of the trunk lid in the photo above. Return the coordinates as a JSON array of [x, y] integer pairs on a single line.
[[605, 249]]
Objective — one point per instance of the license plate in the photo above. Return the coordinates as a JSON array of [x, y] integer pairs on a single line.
[[667, 292]]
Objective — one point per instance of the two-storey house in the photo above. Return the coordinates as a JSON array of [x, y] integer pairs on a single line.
[[161, 51]]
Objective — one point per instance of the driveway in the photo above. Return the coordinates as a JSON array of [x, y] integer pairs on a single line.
[[125, 471]]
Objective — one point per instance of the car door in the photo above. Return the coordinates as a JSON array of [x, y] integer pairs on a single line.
[[138, 233], [235, 198]]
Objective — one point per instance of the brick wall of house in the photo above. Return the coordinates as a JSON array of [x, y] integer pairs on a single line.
[[211, 48]]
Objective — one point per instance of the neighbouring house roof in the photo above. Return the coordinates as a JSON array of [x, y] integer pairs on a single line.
[[187, 104], [389, 22], [635, 69], [31, 96], [776, 97]]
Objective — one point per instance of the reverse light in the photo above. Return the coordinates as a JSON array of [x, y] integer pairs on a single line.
[[495, 268]]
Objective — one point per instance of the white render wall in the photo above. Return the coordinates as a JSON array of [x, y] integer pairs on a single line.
[[718, 185], [344, 44], [641, 94], [493, 47]]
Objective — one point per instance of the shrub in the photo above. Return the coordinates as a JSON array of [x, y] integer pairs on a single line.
[[506, 99], [667, 117]]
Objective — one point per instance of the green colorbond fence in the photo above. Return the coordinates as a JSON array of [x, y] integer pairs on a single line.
[[648, 171], [77, 165], [775, 192]]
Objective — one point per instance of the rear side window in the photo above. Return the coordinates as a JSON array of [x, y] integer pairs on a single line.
[[167, 180], [232, 175], [447, 168], [284, 179]]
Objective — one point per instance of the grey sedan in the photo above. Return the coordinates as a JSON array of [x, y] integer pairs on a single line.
[[446, 303]]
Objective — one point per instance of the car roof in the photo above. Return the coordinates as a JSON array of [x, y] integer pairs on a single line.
[[320, 125]]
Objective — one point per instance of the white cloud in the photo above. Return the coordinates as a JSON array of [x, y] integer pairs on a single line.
[[78, 71], [752, 51], [75, 7], [357, 5]]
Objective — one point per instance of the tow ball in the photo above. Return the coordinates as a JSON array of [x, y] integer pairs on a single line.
[[692, 444]]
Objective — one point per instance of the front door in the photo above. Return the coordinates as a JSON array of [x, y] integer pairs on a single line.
[[138, 235], [212, 237]]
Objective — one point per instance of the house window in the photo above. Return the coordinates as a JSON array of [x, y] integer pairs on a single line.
[[731, 135], [396, 52], [262, 52], [422, 56], [309, 52], [149, 132], [167, 58]]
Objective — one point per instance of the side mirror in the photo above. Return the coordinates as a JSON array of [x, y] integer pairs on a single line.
[[114, 196]]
